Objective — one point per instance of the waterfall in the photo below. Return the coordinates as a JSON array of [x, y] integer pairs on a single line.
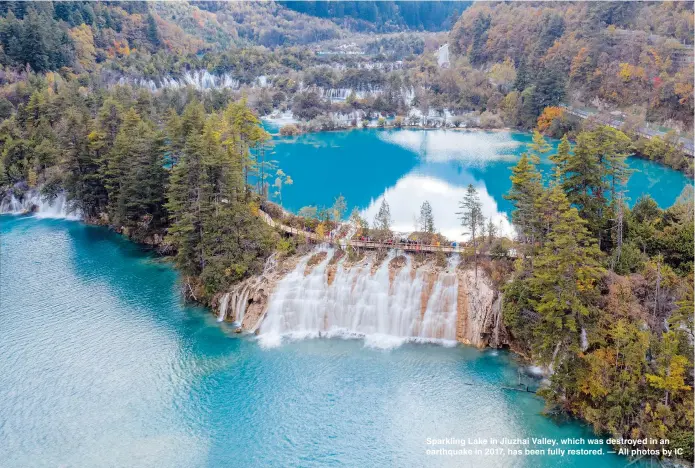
[[440, 317], [241, 302], [201, 80], [224, 302], [341, 94], [385, 307], [243, 294], [33, 202]]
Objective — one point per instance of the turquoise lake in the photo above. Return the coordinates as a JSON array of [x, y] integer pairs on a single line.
[[102, 365], [407, 167]]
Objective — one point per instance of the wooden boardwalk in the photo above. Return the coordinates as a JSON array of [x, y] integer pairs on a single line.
[[312, 236]]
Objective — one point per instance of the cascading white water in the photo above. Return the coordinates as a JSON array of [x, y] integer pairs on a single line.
[[199, 79], [385, 311], [34, 202], [440, 316], [241, 301], [224, 302], [242, 294]]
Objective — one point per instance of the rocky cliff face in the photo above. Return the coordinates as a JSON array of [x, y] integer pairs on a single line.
[[326, 293], [479, 320]]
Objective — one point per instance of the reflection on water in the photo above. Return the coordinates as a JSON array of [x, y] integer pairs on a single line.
[[413, 189], [443, 176], [475, 148], [407, 167]]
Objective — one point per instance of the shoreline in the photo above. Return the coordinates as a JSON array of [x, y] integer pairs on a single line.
[[277, 134], [523, 360]]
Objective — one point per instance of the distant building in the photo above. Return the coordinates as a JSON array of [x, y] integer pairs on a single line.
[[443, 56]]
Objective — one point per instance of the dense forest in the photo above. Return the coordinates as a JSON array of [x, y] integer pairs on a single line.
[[48, 36], [507, 62], [635, 56], [151, 166], [603, 293]]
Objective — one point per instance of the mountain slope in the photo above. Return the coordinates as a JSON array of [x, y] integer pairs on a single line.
[[48, 36], [631, 55]]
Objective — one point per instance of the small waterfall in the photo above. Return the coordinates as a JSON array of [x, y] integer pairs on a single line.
[[440, 317], [33, 202], [224, 302], [201, 80], [240, 302], [238, 299], [339, 94], [243, 294], [10, 205], [551, 366], [386, 307]]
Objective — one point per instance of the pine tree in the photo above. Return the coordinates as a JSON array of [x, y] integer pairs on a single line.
[[525, 194], [584, 183], [140, 204], [181, 233], [491, 231], [184, 201], [382, 221], [565, 282], [613, 148], [548, 209], [358, 223], [561, 158], [471, 216], [671, 370], [192, 119], [247, 134], [338, 209], [118, 161], [538, 147], [522, 75], [152, 31], [83, 182], [109, 120], [426, 218]]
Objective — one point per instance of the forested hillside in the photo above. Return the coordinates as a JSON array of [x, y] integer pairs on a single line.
[[146, 117], [635, 56], [604, 294], [175, 165], [48, 36]]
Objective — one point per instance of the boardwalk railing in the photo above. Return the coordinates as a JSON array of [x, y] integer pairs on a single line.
[[360, 243]]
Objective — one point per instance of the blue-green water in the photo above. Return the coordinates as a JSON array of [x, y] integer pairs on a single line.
[[408, 167], [101, 365]]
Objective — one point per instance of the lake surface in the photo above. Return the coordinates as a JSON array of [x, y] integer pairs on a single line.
[[101, 365], [407, 167]]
